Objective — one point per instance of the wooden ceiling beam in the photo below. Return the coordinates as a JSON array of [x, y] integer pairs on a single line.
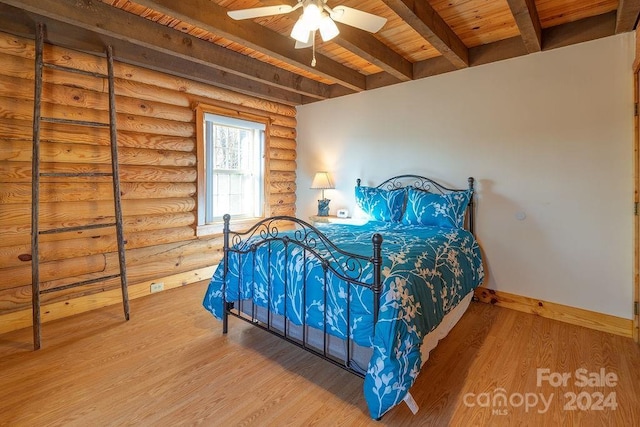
[[526, 16], [563, 35], [627, 15], [584, 30], [432, 67], [373, 50], [120, 25], [209, 16], [426, 21], [497, 51], [142, 57], [381, 79], [21, 23]]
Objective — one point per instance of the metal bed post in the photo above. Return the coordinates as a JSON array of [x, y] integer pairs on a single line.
[[377, 274], [225, 260], [470, 207]]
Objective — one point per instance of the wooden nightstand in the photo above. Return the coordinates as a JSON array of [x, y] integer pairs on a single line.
[[332, 219]]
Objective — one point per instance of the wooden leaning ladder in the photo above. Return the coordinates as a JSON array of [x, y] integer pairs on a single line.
[[35, 190]]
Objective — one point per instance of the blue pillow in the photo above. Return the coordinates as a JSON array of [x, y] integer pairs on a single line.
[[440, 210], [381, 205]]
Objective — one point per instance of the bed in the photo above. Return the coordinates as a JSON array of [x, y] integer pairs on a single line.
[[372, 298]]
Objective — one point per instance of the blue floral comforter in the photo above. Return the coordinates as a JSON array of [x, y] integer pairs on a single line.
[[426, 272]]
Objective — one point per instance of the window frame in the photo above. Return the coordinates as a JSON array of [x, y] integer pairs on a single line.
[[202, 228]]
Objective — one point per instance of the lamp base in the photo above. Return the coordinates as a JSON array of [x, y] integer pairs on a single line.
[[323, 207]]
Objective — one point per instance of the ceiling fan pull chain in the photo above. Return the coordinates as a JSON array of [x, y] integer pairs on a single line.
[[313, 48]]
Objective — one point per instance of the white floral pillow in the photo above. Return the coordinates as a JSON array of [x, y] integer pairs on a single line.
[[440, 210], [381, 205]]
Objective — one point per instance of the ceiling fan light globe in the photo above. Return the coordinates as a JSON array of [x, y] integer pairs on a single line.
[[328, 28], [301, 31], [312, 14]]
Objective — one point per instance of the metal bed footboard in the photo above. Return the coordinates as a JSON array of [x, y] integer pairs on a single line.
[[348, 267]]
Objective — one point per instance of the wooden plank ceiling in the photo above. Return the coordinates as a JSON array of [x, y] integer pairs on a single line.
[[196, 38]]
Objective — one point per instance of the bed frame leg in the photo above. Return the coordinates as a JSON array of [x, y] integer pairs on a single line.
[[225, 316], [225, 321]]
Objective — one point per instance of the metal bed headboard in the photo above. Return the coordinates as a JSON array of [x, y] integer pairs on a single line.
[[427, 184]]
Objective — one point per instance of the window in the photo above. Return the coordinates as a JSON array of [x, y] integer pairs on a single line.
[[233, 167], [230, 168]]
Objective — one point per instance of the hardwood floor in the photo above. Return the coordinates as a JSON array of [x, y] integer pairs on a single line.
[[170, 365]]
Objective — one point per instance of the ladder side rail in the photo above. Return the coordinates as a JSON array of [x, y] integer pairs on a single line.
[[116, 182], [35, 189]]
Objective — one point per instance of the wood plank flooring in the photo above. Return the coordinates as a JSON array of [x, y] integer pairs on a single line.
[[170, 365]]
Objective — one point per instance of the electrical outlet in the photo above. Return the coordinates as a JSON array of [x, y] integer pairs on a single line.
[[157, 287]]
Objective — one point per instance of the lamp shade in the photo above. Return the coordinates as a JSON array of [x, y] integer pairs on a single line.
[[321, 181], [301, 31], [328, 28]]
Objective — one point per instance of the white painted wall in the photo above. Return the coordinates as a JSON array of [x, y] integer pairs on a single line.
[[549, 135]]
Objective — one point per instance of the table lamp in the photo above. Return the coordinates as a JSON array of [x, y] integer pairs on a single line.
[[321, 181]]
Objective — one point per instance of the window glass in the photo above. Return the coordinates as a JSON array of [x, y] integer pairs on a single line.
[[234, 167]]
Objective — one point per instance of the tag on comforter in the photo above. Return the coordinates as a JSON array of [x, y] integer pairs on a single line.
[[411, 403]]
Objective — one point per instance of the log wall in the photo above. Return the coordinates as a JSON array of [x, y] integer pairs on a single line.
[[157, 137]]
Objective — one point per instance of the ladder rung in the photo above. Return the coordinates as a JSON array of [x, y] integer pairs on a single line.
[[73, 70], [75, 174], [74, 122], [77, 284], [77, 228]]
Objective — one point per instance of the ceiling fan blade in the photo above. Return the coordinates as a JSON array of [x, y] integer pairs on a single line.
[[357, 18], [258, 12]]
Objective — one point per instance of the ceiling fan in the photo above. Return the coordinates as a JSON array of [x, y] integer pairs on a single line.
[[316, 16]]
